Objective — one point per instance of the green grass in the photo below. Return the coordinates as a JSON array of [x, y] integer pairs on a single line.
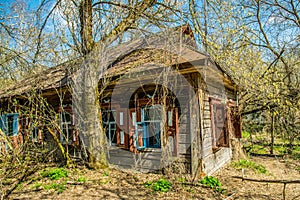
[[55, 173], [81, 180], [210, 181], [181, 180], [161, 185], [246, 164], [245, 134], [213, 183], [256, 148], [59, 187], [36, 186]]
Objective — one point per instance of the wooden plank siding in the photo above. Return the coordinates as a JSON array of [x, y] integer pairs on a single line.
[[212, 161]]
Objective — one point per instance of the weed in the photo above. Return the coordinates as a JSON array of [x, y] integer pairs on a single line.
[[189, 189], [245, 134], [81, 180], [181, 180], [105, 173], [36, 186], [243, 163], [55, 174], [296, 156], [161, 185], [213, 183], [19, 186], [210, 181], [55, 186]]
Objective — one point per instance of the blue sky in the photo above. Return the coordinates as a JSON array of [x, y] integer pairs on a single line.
[[31, 4]]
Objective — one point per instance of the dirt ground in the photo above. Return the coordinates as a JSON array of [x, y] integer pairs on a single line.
[[116, 184]]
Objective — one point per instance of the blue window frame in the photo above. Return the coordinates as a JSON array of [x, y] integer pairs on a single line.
[[10, 124], [150, 127]]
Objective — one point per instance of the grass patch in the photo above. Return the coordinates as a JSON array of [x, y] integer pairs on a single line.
[[245, 134], [243, 163], [59, 187], [210, 181], [81, 180], [161, 185], [55, 174], [213, 183], [36, 186], [259, 149]]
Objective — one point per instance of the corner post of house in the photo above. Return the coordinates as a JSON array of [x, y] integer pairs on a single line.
[[194, 112]]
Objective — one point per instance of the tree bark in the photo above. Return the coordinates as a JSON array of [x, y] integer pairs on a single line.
[[86, 31]]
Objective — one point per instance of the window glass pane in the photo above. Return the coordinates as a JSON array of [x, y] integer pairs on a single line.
[[122, 137], [133, 118], [10, 122], [121, 118], [153, 113], [66, 117], [108, 115], [170, 120]]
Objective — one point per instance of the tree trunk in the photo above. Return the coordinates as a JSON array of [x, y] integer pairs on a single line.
[[85, 93], [272, 132], [86, 31]]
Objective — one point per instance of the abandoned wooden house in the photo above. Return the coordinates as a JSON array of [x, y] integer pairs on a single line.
[[160, 105]]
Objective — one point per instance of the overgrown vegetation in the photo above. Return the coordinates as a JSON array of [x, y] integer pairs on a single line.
[[246, 164], [259, 143]]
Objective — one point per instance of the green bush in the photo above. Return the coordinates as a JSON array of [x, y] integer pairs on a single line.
[[161, 185], [243, 163], [55, 174]]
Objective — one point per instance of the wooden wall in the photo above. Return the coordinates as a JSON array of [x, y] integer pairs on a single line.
[[213, 160]]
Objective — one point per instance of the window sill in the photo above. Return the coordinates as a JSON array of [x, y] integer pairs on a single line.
[[149, 150]]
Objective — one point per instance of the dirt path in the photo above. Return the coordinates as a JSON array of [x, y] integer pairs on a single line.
[[116, 184], [279, 169]]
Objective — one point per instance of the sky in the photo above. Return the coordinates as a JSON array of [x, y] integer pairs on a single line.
[[31, 4]]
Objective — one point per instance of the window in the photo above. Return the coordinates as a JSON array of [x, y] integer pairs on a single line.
[[151, 126], [10, 124], [35, 134], [65, 125], [109, 125], [219, 124]]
